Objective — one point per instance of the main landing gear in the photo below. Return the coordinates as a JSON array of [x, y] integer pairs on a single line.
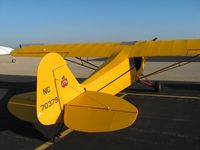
[[155, 85]]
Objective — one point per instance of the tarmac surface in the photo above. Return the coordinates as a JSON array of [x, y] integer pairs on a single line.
[[167, 120]]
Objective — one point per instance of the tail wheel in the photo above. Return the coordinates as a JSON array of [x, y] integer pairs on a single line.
[[157, 86]]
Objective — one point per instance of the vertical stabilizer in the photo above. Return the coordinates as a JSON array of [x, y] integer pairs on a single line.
[[56, 85]]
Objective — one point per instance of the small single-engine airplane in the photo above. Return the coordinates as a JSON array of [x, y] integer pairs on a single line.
[[6, 51], [91, 106]]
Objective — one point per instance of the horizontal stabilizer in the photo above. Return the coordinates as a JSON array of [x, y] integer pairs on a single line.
[[98, 112], [23, 106]]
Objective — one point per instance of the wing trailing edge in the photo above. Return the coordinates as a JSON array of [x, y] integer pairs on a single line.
[[134, 49]]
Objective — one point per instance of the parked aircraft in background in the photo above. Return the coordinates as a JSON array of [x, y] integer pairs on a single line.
[[6, 51]]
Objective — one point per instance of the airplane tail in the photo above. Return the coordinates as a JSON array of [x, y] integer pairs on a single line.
[[56, 85], [60, 96]]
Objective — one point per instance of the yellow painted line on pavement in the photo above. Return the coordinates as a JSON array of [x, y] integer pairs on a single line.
[[166, 96], [49, 143], [123, 95], [64, 133], [44, 146]]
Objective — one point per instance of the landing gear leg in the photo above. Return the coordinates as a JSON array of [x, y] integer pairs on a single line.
[[156, 85]]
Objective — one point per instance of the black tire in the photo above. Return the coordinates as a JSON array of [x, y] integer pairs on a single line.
[[56, 139], [157, 86], [13, 60]]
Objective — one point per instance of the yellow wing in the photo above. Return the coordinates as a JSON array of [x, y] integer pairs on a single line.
[[164, 48], [71, 50], [134, 49]]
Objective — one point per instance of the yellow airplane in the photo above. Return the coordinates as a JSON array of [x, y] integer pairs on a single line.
[[91, 106]]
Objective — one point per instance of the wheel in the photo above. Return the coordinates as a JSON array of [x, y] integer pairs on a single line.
[[56, 139], [13, 60], [157, 86]]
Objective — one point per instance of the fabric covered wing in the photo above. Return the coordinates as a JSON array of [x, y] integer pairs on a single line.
[[70, 50], [134, 49], [164, 48]]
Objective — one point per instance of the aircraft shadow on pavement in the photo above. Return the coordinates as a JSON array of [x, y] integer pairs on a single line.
[[11, 85], [9, 121]]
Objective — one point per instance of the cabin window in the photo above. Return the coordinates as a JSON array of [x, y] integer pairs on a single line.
[[136, 62]]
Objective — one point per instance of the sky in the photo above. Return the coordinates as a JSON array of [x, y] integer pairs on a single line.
[[81, 21]]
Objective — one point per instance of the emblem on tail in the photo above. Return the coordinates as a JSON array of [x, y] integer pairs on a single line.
[[64, 82]]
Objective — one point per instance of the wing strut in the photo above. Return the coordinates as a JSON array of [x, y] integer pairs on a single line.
[[87, 62], [92, 66], [173, 66]]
